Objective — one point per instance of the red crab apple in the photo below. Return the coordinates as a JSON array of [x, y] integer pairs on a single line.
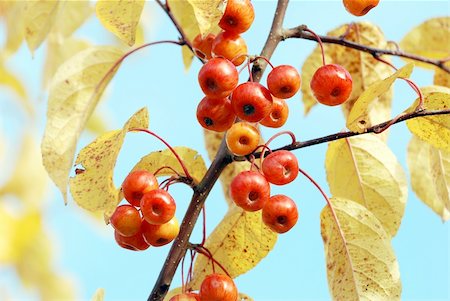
[[218, 77], [280, 167], [280, 213], [331, 84], [158, 207], [136, 184], [217, 287], [126, 220], [250, 190]]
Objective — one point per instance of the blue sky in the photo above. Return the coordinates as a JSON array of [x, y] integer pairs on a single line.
[[295, 269]]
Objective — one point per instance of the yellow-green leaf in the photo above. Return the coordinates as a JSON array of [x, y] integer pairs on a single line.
[[361, 263], [430, 176], [207, 13], [39, 17], [60, 50], [71, 15], [74, 93], [442, 78], [9, 80], [366, 171], [433, 129], [430, 39], [359, 118], [93, 188], [99, 295], [97, 124], [191, 159], [239, 243], [120, 17]]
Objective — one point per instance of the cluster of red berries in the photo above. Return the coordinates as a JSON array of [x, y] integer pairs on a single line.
[[213, 288], [224, 99], [250, 190], [154, 223]]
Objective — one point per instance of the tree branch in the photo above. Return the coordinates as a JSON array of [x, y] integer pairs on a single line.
[[222, 159], [342, 135], [300, 33]]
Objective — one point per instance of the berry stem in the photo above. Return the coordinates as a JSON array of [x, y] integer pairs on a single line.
[[186, 172], [319, 40], [262, 58], [410, 82]]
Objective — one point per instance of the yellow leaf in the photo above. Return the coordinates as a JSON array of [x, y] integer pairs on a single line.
[[74, 93], [15, 25], [59, 51], [71, 15], [441, 77], [10, 80], [207, 13], [188, 56], [8, 226], [97, 124], [93, 188], [39, 17], [430, 176], [361, 263], [99, 295], [365, 170], [430, 39], [120, 17], [238, 243], [213, 141], [191, 159], [29, 181], [185, 15], [359, 118], [433, 129], [244, 297]]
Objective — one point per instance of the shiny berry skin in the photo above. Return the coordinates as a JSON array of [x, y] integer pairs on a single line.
[[242, 138], [215, 114], [238, 16], [217, 287], [280, 167], [218, 78], [202, 45], [230, 46], [126, 220], [136, 184], [331, 85], [157, 207], [250, 190], [160, 235], [186, 297], [283, 81], [359, 7], [251, 101], [134, 243], [278, 114], [280, 213]]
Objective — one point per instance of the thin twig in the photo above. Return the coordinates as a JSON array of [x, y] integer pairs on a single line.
[[300, 33]]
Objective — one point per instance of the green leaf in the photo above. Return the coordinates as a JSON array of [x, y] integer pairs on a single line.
[[239, 243], [93, 188], [207, 13], [120, 17], [99, 295], [191, 159], [361, 263], [430, 175], [366, 171], [359, 118], [433, 129], [74, 93]]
